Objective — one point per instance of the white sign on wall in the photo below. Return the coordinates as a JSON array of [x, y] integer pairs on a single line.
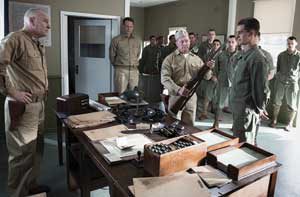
[[16, 17]]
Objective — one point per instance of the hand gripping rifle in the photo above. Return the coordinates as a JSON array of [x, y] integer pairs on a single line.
[[192, 86]]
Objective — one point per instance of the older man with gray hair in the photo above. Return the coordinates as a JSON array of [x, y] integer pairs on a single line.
[[177, 69], [24, 82]]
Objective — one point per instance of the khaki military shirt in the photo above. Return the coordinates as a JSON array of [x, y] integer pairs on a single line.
[[288, 67], [224, 67], [125, 51], [177, 70], [249, 86], [22, 64], [149, 62]]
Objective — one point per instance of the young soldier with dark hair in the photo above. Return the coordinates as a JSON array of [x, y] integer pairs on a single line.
[[249, 86], [224, 66], [194, 48], [148, 62]]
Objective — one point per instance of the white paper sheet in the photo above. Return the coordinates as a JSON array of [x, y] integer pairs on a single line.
[[239, 157], [137, 141], [211, 138]]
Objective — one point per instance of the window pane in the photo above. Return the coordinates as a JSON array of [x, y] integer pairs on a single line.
[[92, 41]]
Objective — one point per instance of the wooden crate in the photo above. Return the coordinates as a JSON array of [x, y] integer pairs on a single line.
[[231, 140], [236, 165], [176, 160]]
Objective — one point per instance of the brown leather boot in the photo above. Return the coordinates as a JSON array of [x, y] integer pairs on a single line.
[[291, 115], [275, 113]]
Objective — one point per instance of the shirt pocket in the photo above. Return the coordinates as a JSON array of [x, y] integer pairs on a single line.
[[34, 60], [194, 69]]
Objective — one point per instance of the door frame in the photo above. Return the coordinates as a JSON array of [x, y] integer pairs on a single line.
[[64, 41]]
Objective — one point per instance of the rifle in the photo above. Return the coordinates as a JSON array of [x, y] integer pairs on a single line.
[[192, 86]]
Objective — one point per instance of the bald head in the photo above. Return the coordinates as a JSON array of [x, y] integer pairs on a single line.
[[36, 22]]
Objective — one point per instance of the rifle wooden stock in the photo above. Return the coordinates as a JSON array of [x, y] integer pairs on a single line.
[[191, 85]]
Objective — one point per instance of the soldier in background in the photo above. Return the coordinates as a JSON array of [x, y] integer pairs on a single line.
[[208, 88], [204, 49], [124, 55], [224, 66], [206, 46], [160, 46], [148, 62], [194, 48], [171, 47], [286, 82]]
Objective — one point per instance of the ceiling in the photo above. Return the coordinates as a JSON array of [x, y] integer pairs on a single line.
[[148, 3]]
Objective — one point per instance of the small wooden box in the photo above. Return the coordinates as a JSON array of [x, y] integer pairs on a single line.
[[176, 160], [217, 140], [241, 160]]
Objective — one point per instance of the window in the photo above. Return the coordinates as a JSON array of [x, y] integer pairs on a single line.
[[270, 14]]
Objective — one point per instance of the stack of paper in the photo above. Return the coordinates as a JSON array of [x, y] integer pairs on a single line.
[[91, 119], [211, 176], [175, 185], [124, 146], [114, 100], [107, 132], [239, 157], [211, 138]]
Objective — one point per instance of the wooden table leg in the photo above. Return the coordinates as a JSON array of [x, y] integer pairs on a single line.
[[84, 175], [59, 141], [272, 184]]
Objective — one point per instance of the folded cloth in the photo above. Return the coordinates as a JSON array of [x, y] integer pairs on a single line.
[[91, 119]]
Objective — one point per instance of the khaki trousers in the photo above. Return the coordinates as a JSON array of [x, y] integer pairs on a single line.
[[188, 113], [25, 145], [125, 76]]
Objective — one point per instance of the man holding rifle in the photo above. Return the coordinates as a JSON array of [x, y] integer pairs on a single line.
[[178, 68]]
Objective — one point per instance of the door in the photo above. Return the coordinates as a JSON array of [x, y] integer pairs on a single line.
[[93, 71]]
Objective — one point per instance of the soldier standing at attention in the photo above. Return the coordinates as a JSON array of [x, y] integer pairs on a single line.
[[160, 46], [124, 54], [249, 86], [24, 82], [224, 66], [206, 46], [177, 69], [148, 62], [204, 49], [286, 82], [208, 88], [171, 47]]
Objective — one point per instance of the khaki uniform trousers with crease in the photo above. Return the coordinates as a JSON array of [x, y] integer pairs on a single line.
[[123, 79], [188, 113], [25, 145]]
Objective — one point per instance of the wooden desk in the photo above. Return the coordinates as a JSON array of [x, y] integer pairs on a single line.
[[119, 176]]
